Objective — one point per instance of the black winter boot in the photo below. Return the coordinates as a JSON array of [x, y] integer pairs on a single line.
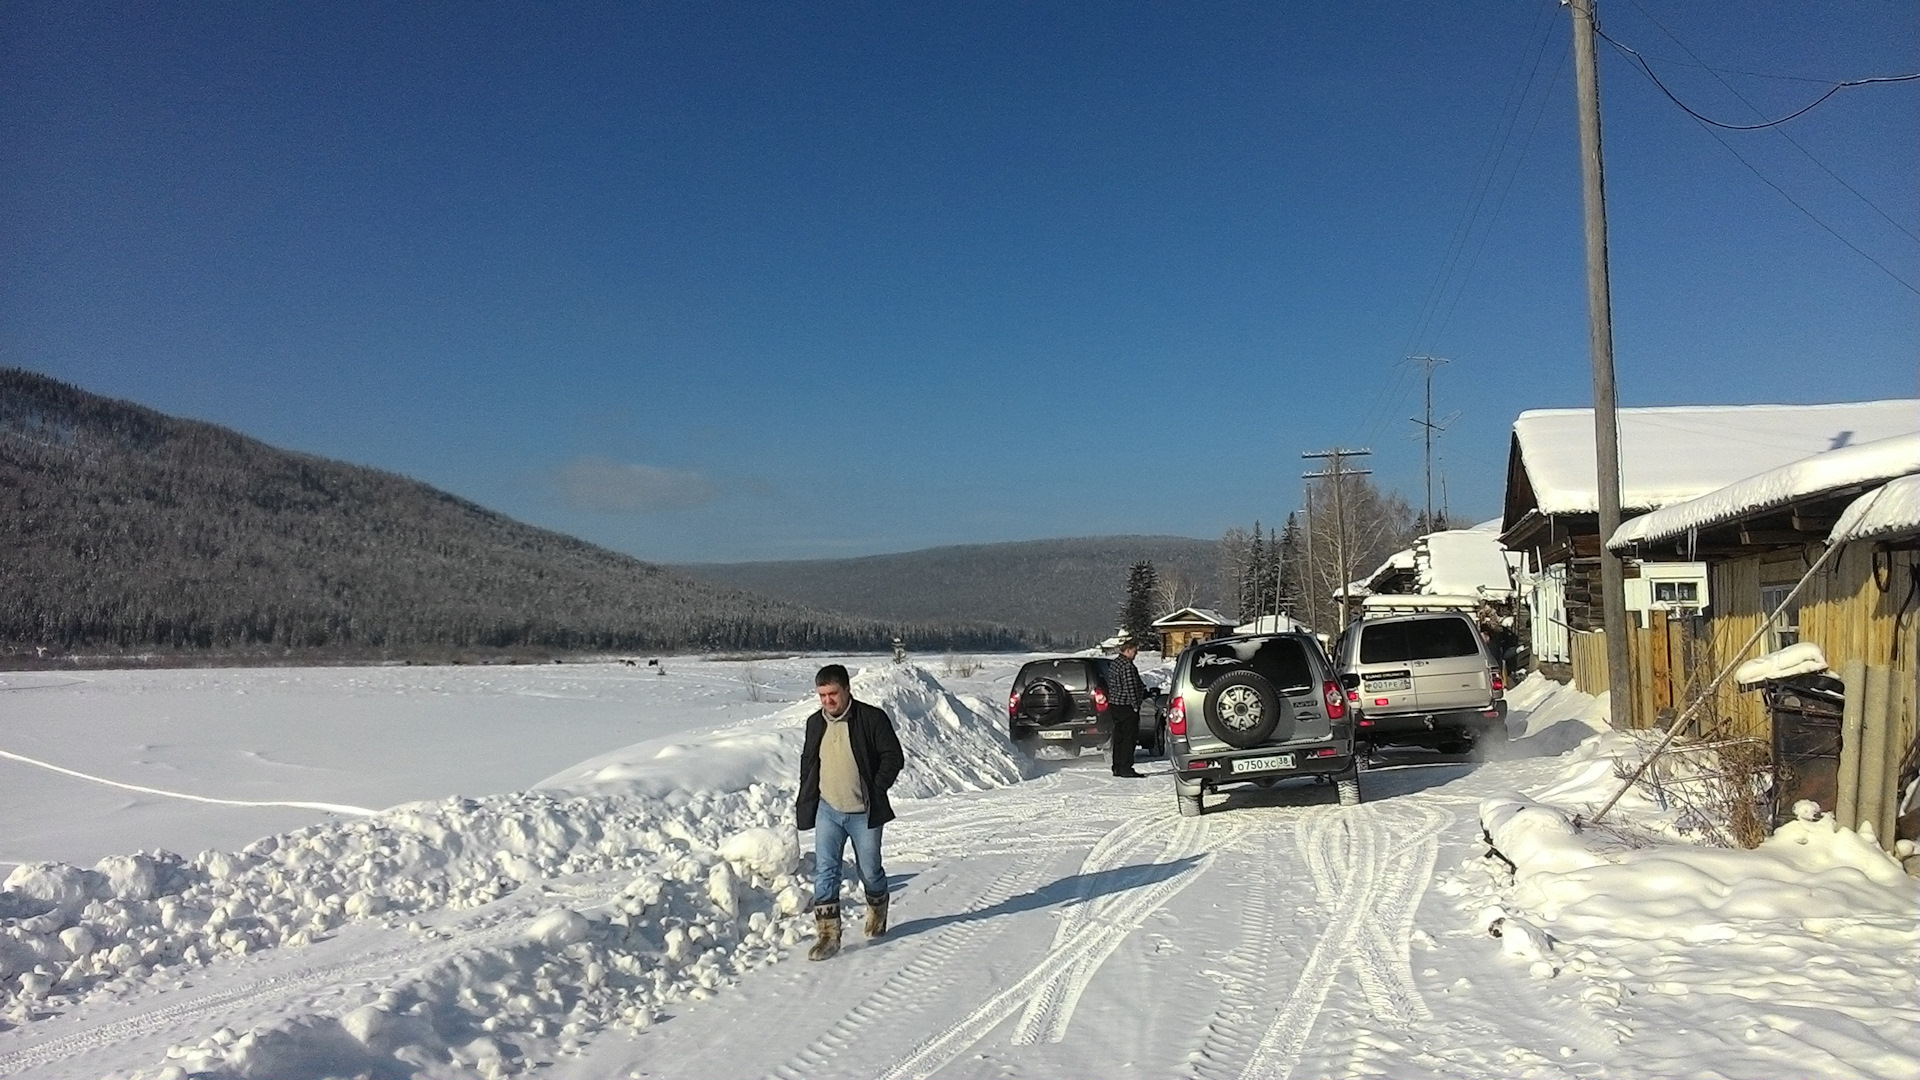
[[826, 932], [876, 915]]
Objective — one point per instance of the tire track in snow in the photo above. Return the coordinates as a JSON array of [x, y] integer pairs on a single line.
[[1234, 1029], [1384, 960], [1102, 936], [899, 990], [1051, 1009], [1358, 861]]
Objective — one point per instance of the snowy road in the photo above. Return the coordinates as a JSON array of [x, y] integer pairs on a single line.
[[1272, 938], [1064, 924]]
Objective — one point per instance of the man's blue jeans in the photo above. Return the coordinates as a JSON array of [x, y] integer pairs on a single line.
[[831, 831]]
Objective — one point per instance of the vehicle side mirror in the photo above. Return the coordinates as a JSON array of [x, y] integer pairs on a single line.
[[1350, 680]]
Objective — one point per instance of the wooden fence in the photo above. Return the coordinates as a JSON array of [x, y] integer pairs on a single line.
[[1673, 661]]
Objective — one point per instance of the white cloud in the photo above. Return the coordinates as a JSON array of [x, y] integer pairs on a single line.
[[594, 483]]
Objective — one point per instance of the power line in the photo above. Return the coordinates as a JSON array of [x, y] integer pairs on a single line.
[[1647, 69], [1856, 249], [1791, 141], [1510, 112]]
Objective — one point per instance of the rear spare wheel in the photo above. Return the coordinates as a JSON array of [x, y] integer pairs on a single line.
[[1243, 710]]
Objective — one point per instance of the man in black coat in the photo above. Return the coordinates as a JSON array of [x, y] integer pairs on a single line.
[[850, 758]]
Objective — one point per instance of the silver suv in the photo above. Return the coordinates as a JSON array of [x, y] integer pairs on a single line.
[[1257, 710], [1426, 679]]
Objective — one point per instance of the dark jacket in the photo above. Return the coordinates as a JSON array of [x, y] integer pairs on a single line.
[[876, 754]]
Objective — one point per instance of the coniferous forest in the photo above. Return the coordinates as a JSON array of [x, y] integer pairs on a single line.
[[124, 530]]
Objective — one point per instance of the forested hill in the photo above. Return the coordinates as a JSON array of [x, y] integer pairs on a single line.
[[124, 529], [1070, 587]]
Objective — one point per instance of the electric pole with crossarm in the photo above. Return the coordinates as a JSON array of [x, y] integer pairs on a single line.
[[1336, 469]]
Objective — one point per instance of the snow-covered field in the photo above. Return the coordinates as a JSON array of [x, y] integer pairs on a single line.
[[590, 871]]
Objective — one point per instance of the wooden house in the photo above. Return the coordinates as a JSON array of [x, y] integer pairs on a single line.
[[1188, 625], [1668, 455], [1854, 514]]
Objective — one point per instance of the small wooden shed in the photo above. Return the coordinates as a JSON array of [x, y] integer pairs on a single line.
[[1188, 625]]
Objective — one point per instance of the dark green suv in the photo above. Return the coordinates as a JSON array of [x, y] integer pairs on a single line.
[[1062, 702]]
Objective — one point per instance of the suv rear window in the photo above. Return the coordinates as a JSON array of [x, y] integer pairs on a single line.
[[1071, 674], [1418, 639], [1281, 661]]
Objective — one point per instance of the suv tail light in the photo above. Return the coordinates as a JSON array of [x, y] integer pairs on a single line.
[[1099, 700], [1499, 685], [1177, 717], [1013, 704], [1336, 700]]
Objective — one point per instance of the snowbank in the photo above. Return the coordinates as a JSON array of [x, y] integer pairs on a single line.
[[1774, 950], [678, 859], [1810, 868], [951, 743]]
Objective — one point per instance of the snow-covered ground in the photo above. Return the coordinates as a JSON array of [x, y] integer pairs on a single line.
[[592, 872]]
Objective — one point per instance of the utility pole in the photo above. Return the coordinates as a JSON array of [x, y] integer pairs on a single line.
[[1606, 423], [1428, 428], [1335, 471], [1313, 609]]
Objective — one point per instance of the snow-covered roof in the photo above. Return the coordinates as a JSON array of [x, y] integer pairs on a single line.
[[1670, 454], [1271, 624], [1397, 563], [1884, 513], [1190, 615], [1861, 463], [1466, 562]]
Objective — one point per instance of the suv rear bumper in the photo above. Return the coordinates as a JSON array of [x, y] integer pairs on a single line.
[[1396, 725], [1193, 772], [1074, 733]]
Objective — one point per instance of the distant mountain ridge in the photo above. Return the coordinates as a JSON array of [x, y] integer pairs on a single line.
[[1068, 587], [124, 528]]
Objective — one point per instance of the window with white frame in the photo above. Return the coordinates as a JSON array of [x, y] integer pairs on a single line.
[[1785, 630]]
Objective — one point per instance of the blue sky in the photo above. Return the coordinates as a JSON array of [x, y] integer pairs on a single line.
[[718, 281]]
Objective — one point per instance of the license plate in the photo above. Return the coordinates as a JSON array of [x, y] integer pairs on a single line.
[[1262, 764], [1382, 686], [1056, 734]]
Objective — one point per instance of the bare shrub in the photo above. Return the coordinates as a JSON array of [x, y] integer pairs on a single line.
[[961, 667], [1716, 788]]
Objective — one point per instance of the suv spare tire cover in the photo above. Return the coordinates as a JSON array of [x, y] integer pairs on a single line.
[[1043, 700], [1243, 710]]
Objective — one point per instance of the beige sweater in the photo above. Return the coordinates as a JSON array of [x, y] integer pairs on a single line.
[[840, 782]]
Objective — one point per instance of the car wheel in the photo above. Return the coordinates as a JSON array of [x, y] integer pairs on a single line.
[[1347, 784], [1190, 805], [1243, 710], [1044, 700], [1158, 747]]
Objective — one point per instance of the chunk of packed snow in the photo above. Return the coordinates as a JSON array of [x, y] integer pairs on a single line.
[[766, 852], [1800, 658]]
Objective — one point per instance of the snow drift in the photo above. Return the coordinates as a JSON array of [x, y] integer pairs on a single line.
[[677, 858]]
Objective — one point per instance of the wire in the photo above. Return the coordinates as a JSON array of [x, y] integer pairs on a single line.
[[1795, 143], [1902, 282], [1518, 163], [1641, 62]]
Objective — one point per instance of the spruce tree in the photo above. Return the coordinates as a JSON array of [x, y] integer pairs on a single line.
[[1136, 614], [1286, 566]]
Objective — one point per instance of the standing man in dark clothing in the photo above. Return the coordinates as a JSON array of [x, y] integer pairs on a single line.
[[850, 758], [1125, 692]]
